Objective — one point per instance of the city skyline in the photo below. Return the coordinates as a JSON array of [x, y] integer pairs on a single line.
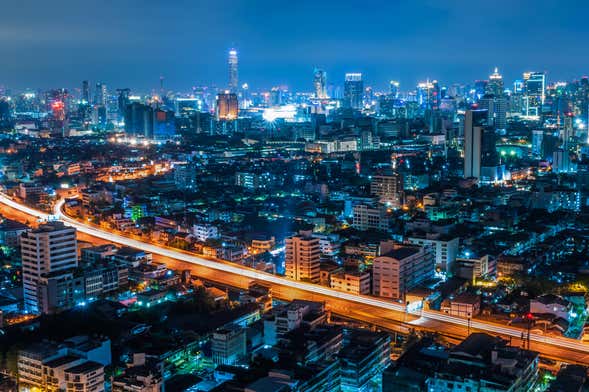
[[48, 47]]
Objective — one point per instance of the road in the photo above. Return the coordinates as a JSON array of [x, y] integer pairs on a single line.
[[380, 312]]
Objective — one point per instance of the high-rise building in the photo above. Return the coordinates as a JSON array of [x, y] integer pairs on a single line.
[[50, 248], [370, 217], [353, 91], [233, 73], [85, 92], [537, 139], [474, 123], [123, 100], [400, 268], [227, 106], [394, 88], [495, 85], [534, 93], [389, 189], [320, 83], [139, 120], [302, 258], [100, 94], [229, 345]]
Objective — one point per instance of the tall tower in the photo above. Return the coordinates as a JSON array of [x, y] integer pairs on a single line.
[[320, 83], [474, 123], [85, 92], [495, 85], [233, 75], [353, 91]]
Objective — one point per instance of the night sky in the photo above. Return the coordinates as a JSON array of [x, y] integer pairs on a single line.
[[130, 43]]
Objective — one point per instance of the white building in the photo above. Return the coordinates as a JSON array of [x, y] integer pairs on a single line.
[[49, 249], [203, 232], [302, 257], [368, 217], [351, 282], [401, 269], [445, 250], [229, 345], [389, 189]]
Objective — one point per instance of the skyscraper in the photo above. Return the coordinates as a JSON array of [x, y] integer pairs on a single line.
[[45, 251], [495, 85], [474, 123], [227, 106], [85, 92], [233, 75], [302, 258], [100, 94], [353, 91], [320, 83], [534, 93], [394, 88]]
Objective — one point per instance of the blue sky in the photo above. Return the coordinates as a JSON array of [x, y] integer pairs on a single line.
[[130, 43]]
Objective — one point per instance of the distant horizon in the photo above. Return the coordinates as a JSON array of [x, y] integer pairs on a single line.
[[131, 44]]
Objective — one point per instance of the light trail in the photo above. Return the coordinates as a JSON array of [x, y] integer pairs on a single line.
[[308, 287]]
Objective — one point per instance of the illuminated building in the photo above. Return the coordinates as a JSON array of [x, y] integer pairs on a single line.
[[534, 93], [233, 73], [353, 91], [537, 139], [227, 106], [79, 361], [302, 258], [138, 120], [363, 359], [495, 84], [400, 268], [85, 92], [394, 88], [100, 94], [229, 345], [389, 189], [351, 282], [50, 248], [445, 250], [474, 123], [368, 217], [320, 83]]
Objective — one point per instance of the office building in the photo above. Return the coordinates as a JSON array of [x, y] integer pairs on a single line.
[[400, 268], [495, 85], [474, 124], [445, 249], [85, 92], [229, 345], [302, 258], [320, 83], [46, 251], [353, 91], [370, 217], [388, 188], [233, 74], [227, 106], [100, 95], [351, 282], [363, 359], [534, 93]]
